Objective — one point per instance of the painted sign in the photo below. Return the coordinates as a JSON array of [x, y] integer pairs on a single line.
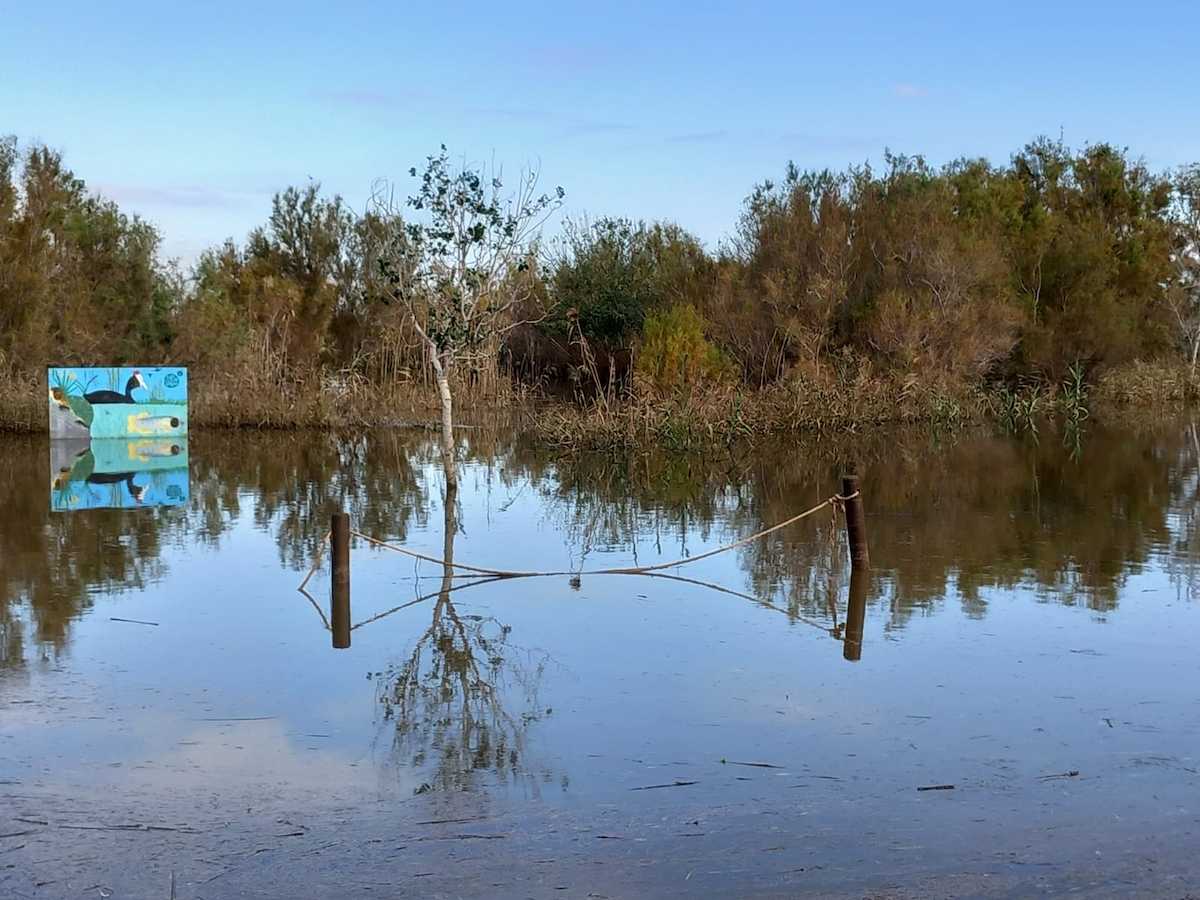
[[143, 402], [117, 473]]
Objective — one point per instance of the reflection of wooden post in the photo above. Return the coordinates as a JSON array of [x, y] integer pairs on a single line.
[[339, 618], [856, 523], [856, 613]]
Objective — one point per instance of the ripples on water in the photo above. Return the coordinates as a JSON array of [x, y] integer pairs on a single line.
[[1031, 611]]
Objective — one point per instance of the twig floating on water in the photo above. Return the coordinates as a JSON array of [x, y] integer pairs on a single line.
[[1073, 773], [469, 837], [936, 787], [235, 719], [184, 829], [651, 787], [756, 765], [132, 621], [453, 821]]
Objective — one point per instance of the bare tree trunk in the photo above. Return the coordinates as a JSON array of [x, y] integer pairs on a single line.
[[448, 457], [441, 375], [1195, 352]]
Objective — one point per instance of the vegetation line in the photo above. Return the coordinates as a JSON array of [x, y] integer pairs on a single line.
[[901, 292]]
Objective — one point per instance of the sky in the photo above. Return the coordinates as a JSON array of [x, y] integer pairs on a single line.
[[193, 115]]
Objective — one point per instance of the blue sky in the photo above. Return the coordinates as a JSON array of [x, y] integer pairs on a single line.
[[194, 114]]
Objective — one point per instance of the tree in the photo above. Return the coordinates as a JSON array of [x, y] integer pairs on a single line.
[[614, 272], [79, 279], [795, 246], [1183, 294], [456, 271]]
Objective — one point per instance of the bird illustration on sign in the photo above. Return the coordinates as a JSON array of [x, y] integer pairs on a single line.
[[118, 402]]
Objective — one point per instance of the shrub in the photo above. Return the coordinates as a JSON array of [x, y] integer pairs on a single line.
[[676, 354]]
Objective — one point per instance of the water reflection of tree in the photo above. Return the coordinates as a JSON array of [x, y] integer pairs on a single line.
[[454, 700], [297, 481], [52, 564], [951, 520]]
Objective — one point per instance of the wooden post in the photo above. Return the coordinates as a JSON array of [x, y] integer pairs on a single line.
[[339, 613], [856, 523], [856, 613]]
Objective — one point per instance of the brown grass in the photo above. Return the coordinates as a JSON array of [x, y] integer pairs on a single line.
[[693, 420], [1148, 384], [256, 396]]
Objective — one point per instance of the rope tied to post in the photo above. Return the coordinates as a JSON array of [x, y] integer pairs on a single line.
[[837, 501]]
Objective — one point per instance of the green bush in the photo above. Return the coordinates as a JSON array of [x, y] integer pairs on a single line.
[[676, 354]]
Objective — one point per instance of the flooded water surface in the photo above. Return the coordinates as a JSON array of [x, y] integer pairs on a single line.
[[174, 711]]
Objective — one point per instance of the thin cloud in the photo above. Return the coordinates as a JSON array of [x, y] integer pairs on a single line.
[[570, 125], [832, 142], [525, 114], [568, 58], [579, 129], [175, 197], [697, 137], [366, 98]]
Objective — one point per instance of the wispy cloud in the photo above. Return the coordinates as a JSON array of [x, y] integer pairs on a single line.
[[569, 124], [367, 98], [697, 137], [807, 140], [909, 90], [177, 196], [583, 128], [567, 59]]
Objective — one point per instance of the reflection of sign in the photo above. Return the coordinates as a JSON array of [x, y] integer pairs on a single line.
[[123, 474], [150, 401]]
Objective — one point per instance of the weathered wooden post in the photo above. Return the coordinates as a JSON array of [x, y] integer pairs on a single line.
[[856, 523], [856, 613], [339, 617]]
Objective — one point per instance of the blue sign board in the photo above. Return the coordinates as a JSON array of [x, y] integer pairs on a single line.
[[119, 402]]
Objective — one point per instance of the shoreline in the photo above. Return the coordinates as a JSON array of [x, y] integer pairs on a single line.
[[643, 418]]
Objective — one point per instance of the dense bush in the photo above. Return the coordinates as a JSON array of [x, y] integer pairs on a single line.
[[675, 354], [609, 275], [939, 280], [79, 280]]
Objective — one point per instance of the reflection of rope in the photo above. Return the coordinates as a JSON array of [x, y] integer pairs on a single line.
[[835, 500], [316, 562]]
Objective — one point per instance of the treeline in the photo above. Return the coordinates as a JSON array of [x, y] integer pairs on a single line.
[[921, 278]]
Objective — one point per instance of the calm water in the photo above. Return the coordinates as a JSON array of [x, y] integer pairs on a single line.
[[1031, 612]]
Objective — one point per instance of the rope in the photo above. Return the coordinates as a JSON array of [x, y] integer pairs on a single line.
[[836, 500]]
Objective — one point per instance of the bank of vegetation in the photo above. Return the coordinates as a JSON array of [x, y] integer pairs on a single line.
[[904, 292]]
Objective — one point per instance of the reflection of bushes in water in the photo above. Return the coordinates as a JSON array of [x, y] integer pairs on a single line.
[[462, 701], [56, 562], [960, 515], [949, 516]]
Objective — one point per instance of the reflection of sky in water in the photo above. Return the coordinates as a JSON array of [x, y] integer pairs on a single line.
[[641, 680]]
